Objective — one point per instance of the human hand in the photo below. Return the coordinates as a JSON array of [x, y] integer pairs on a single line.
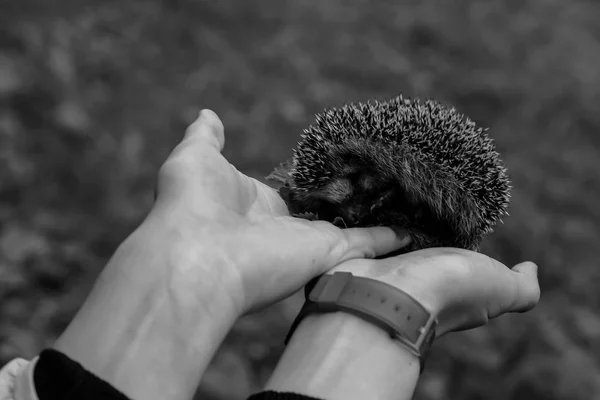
[[231, 231], [464, 289], [341, 356]]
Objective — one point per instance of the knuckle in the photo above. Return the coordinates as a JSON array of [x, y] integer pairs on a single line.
[[358, 244], [338, 243]]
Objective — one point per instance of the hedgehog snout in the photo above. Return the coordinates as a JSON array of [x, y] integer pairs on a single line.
[[352, 216]]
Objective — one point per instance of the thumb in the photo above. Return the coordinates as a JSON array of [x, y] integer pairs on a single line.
[[528, 287], [205, 133], [207, 128], [353, 243]]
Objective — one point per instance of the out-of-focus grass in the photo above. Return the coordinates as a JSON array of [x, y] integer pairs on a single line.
[[94, 94]]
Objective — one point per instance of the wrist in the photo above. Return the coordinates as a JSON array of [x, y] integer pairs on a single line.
[[341, 356], [142, 330]]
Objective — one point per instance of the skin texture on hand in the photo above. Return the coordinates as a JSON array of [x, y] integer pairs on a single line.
[[136, 329]]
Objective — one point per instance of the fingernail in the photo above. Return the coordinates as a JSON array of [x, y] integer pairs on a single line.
[[206, 114]]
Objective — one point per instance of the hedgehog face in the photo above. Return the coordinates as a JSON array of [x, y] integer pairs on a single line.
[[350, 200]]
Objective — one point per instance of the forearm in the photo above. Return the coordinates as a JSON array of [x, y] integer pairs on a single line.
[[339, 356], [130, 333]]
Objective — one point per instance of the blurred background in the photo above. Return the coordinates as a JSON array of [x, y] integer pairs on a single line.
[[94, 95]]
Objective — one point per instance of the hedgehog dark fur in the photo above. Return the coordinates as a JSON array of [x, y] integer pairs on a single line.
[[402, 163]]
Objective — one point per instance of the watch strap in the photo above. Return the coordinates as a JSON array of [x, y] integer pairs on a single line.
[[403, 317]]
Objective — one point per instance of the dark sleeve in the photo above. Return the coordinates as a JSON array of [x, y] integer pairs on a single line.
[[270, 395], [57, 377]]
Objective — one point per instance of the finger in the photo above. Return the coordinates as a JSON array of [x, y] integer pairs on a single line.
[[372, 242], [528, 287], [207, 128]]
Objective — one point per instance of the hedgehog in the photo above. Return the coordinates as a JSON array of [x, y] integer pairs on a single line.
[[402, 163]]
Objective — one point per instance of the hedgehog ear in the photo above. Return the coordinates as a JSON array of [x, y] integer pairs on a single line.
[[281, 173]]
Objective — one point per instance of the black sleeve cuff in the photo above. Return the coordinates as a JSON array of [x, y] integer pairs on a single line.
[[270, 395], [57, 377]]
